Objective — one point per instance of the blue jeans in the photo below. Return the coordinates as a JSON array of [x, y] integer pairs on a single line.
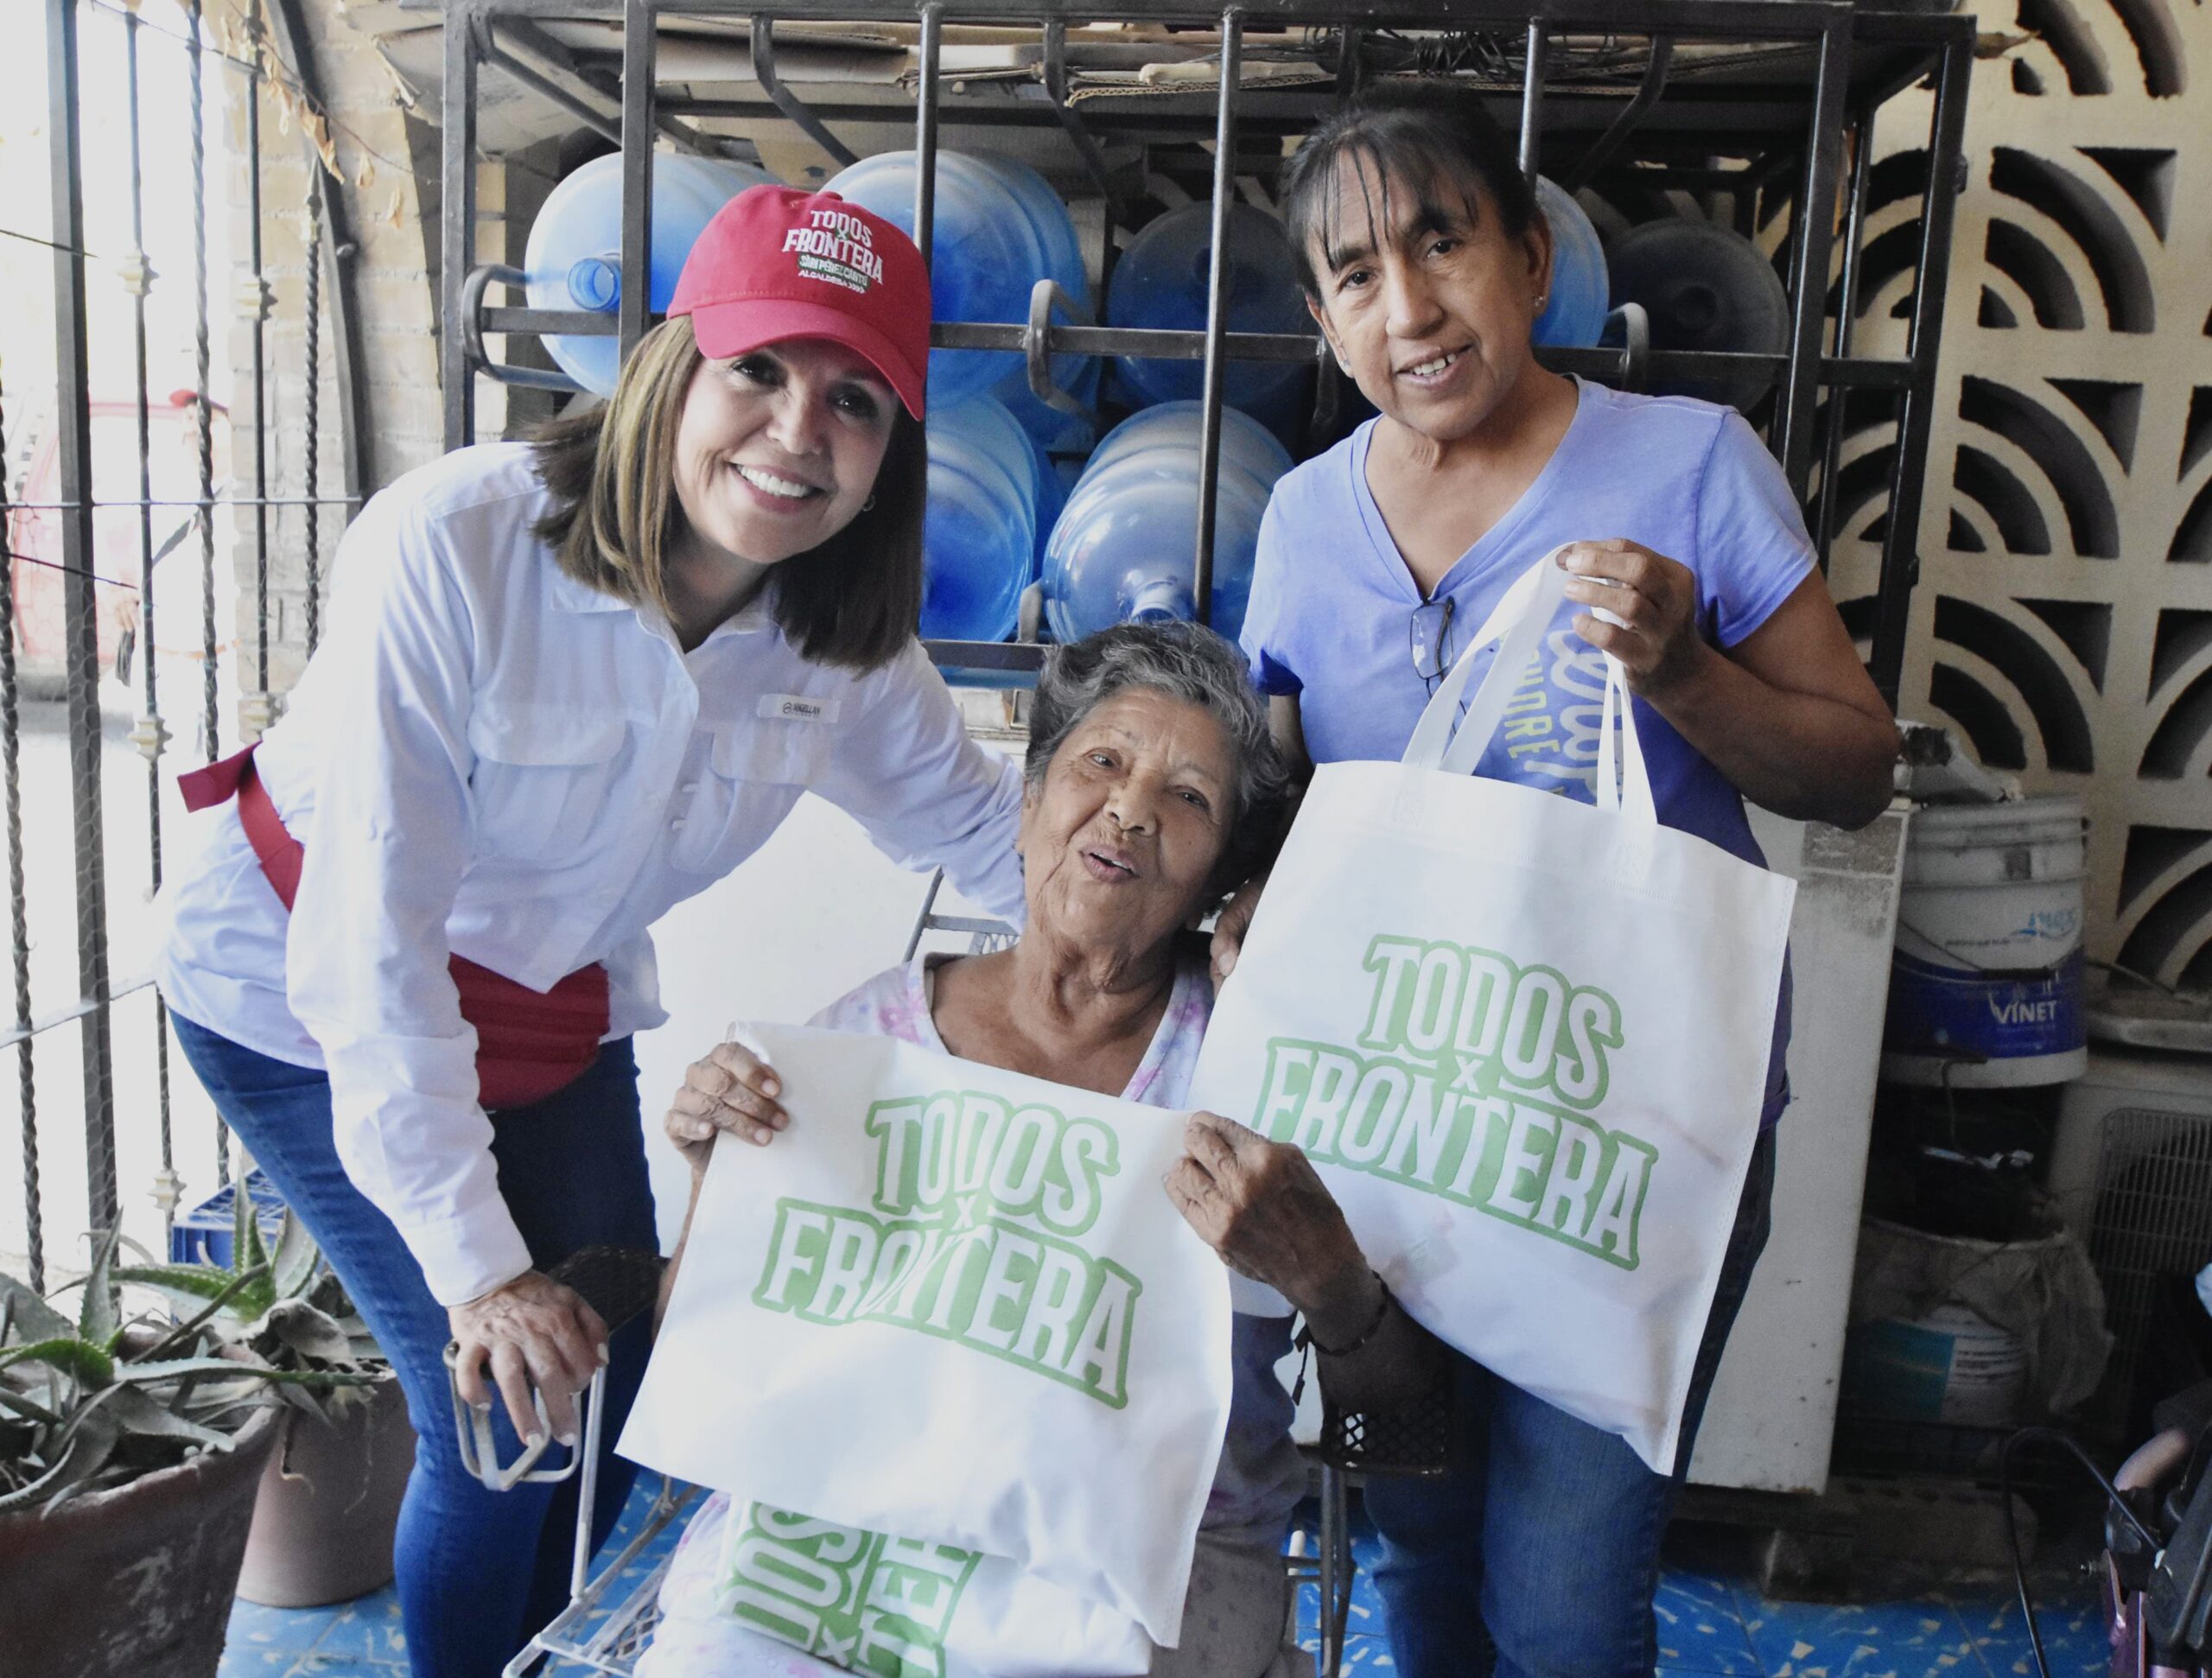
[[479, 1571], [1539, 1557]]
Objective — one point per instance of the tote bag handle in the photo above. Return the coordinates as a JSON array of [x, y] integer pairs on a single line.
[[1517, 624], [1444, 740], [1624, 785]]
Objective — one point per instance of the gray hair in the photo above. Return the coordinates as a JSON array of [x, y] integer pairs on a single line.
[[1185, 661]]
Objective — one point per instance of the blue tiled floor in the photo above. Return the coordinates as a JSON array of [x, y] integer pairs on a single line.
[[1709, 1623]]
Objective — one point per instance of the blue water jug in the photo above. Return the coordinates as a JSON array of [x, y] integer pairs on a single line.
[[1063, 434], [1075, 374], [1575, 314], [979, 537], [987, 253], [574, 258], [1705, 287], [1246, 445], [1122, 549], [1048, 218], [1161, 282]]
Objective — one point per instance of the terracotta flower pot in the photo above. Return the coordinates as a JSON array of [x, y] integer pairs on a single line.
[[330, 1503], [136, 1582]]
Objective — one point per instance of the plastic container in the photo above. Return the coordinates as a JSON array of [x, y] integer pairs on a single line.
[[1048, 219], [1985, 986], [1948, 1365], [1574, 311], [206, 1234], [1705, 287], [979, 537], [1076, 374], [1246, 444], [574, 258], [1059, 433], [1160, 284], [1123, 549], [992, 240]]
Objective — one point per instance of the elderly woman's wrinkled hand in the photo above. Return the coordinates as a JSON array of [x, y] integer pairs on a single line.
[[1264, 1209], [733, 1088], [1231, 927], [1652, 602]]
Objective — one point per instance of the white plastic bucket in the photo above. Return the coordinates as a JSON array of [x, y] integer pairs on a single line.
[[1948, 1365], [1986, 983]]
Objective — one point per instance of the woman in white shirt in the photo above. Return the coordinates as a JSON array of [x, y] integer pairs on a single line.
[[570, 684]]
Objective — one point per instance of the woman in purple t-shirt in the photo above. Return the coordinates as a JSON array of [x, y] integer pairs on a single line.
[[1426, 262]]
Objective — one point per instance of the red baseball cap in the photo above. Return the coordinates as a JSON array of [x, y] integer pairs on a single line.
[[775, 262]]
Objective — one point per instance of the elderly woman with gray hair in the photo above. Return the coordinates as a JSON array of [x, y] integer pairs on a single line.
[[1153, 788]]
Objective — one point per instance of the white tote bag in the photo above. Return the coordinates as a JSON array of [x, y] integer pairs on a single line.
[[1524, 1039], [750, 1584], [953, 1303]]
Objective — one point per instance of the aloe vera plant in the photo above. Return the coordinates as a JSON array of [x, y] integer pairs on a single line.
[[282, 1307], [91, 1401]]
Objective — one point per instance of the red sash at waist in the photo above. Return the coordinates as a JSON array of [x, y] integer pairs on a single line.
[[529, 1046]]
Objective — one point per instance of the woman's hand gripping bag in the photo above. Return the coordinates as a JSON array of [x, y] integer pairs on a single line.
[[1523, 1039], [954, 1303]]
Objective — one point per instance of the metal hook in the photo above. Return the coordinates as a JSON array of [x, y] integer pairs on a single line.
[[763, 33], [480, 280], [1636, 351], [1078, 133], [1044, 297]]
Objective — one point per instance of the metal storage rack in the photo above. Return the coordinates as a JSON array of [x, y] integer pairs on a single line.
[[1813, 72]]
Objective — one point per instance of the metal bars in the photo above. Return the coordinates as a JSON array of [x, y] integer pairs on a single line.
[[457, 222], [637, 45], [1795, 128], [73, 433], [1916, 419], [254, 295], [203, 401], [1815, 238], [89, 585], [1532, 99], [311, 309], [925, 135], [1847, 320], [1224, 195], [18, 916], [764, 72], [149, 735]]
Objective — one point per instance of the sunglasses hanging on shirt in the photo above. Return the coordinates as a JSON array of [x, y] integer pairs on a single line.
[[1429, 635]]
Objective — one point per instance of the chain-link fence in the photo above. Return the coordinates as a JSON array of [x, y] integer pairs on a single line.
[[161, 501]]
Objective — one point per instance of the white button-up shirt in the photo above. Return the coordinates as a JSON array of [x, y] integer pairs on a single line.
[[489, 758]]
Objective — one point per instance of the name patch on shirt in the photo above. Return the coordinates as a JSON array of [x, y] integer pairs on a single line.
[[796, 708]]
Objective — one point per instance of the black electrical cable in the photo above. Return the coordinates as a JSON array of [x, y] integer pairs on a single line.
[[2049, 1436]]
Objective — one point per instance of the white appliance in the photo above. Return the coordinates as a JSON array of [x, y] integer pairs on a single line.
[[1771, 1422], [2131, 1168]]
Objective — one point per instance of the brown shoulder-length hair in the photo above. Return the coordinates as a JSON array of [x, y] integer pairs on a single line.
[[853, 600]]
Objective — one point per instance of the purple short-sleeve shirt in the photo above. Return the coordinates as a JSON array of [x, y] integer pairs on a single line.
[[1333, 600]]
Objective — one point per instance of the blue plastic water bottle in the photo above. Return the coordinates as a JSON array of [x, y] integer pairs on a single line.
[[1575, 315], [1076, 374], [1063, 433], [1705, 287], [574, 258], [1048, 217], [979, 537], [1161, 282], [1246, 445], [1123, 548], [986, 252]]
